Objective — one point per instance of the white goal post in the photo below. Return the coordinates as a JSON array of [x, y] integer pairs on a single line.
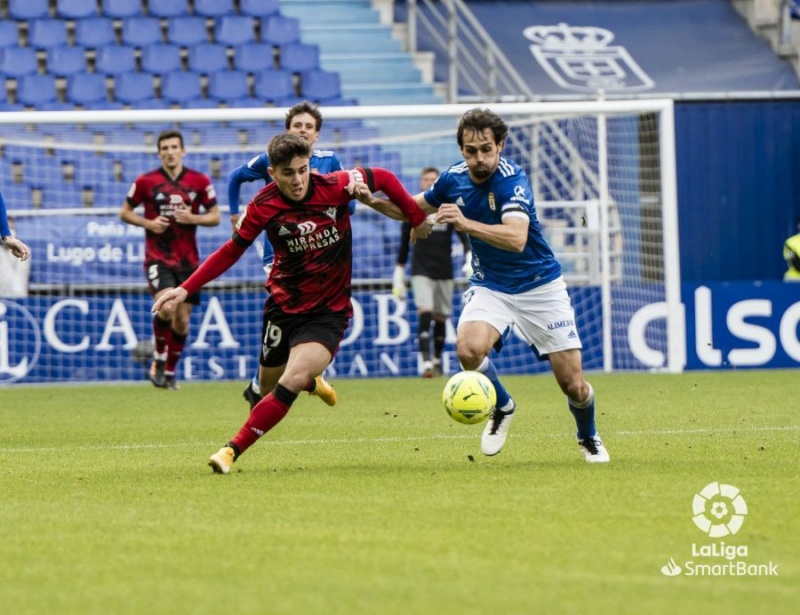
[[603, 175]]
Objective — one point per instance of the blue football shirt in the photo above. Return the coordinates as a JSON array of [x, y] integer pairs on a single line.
[[506, 193]]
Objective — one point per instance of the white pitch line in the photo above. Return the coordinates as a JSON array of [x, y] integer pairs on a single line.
[[384, 440]]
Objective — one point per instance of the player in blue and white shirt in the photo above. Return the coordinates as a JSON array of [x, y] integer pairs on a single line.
[[517, 281], [305, 121]]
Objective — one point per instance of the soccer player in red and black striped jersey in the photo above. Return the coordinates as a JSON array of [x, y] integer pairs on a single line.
[[307, 221], [176, 201]]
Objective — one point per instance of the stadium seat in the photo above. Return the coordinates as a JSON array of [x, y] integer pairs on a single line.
[[259, 8], [299, 57], [224, 86], [9, 33], [214, 8], [234, 30], [86, 88], [167, 8], [141, 31], [63, 61], [56, 105], [161, 58], [23, 10], [133, 87], [122, 8], [207, 58], [47, 33], [76, 9], [94, 32], [33, 90], [17, 61], [104, 105], [180, 86], [115, 60], [319, 84], [281, 30], [274, 84], [187, 31], [253, 57]]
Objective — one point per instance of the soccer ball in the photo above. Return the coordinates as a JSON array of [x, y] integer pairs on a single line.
[[469, 397]]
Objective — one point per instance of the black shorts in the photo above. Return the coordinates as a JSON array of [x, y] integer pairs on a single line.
[[280, 332], [160, 277]]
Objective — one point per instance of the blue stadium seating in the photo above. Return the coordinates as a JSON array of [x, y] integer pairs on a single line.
[[161, 58], [234, 30], [281, 30], [273, 85], [63, 61], [85, 88], [180, 86], [207, 58], [115, 60], [253, 57], [214, 8], [17, 61], [167, 8], [186, 31], [299, 57], [320, 85], [28, 9], [228, 84], [47, 33], [56, 105], [76, 9], [133, 87], [122, 8], [141, 31], [104, 105], [94, 32], [9, 33], [34, 90], [259, 8]]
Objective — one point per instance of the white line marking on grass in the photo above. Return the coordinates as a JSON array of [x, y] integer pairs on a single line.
[[393, 439]]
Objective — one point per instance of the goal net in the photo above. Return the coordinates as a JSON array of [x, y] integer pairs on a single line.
[[602, 173]]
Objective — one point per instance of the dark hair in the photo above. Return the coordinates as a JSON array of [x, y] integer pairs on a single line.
[[304, 107], [283, 148], [427, 170], [478, 120], [168, 134]]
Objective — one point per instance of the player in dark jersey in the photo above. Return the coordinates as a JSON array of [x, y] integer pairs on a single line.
[[431, 282], [307, 221], [176, 201]]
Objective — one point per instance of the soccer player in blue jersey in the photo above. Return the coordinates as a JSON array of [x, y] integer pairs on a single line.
[[305, 121], [516, 280]]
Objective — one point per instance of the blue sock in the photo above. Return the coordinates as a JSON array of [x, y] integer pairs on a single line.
[[584, 416], [487, 369]]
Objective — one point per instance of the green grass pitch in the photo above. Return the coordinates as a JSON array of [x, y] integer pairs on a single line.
[[384, 505]]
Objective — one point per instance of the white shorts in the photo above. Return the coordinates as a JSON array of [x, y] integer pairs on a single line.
[[543, 317], [435, 295]]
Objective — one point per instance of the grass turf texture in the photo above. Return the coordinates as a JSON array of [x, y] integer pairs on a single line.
[[384, 505]]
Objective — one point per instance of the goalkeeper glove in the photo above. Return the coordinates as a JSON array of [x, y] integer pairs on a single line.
[[399, 282], [466, 268]]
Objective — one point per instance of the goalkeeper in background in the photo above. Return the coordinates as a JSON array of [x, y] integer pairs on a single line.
[[304, 120], [516, 283], [431, 282], [176, 201]]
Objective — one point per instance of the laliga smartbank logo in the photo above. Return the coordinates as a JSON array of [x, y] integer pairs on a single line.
[[719, 510]]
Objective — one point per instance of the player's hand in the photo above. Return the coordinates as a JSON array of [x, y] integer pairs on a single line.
[[423, 230], [170, 299], [157, 225], [466, 268], [450, 213], [399, 282], [268, 268], [17, 247], [183, 214], [359, 190], [234, 221]]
